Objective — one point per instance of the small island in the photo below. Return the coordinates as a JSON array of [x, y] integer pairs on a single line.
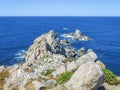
[[77, 35], [50, 65]]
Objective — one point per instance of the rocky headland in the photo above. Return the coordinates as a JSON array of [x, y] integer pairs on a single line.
[[50, 65]]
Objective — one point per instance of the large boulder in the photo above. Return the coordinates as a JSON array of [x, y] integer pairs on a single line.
[[89, 57], [70, 67], [87, 77]]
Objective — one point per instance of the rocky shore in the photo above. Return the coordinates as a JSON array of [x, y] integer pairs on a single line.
[[50, 65]]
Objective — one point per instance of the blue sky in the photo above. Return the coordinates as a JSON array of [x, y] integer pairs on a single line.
[[59, 7]]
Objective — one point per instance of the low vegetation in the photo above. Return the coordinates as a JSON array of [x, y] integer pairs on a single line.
[[64, 77], [110, 77], [3, 75], [29, 85], [48, 72]]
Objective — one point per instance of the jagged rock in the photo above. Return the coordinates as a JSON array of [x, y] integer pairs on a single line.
[[45, 44], [87, 77], [50, 83], [101, 64], [70, 53], [89, 57]]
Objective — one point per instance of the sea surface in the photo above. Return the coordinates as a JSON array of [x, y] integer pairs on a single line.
[[18, 33]]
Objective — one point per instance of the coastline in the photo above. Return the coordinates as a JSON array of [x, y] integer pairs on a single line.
[[47, 53]]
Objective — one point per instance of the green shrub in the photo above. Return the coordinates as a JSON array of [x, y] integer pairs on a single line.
[[64, 77], [48, 72], [110, 77]]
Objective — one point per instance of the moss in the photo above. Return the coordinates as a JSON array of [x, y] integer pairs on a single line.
[[48, 72], [3, 75], [64, 77], [110, 77]]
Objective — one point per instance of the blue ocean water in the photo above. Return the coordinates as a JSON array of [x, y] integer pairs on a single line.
[[18, 33]]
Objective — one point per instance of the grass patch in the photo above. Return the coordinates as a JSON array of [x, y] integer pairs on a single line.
[[110, 77], [48, 72], [64, 77]]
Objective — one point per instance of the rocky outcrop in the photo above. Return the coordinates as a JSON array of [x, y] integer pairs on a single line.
[[87, 77], [47, 59], [77, 35]]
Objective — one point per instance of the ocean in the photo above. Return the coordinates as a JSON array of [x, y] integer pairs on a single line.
[[18, 33]]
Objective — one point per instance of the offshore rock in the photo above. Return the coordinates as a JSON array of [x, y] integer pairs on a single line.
[[87, 77], [77, 35]]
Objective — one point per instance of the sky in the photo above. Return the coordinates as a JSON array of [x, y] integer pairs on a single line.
[[59, 7]]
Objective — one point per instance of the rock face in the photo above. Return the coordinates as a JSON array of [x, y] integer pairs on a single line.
[[89, 57], [77, 36], [44, 46], [87, 77]]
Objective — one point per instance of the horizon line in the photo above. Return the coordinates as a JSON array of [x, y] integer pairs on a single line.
[[58, 16]]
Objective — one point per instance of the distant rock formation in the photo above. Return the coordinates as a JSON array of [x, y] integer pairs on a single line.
[[77, 35]]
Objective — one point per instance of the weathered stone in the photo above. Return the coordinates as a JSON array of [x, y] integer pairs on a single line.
[[101, 65], [88, 76], [72, 66], [89, 57], [50, 83], [111, 87], [37, 85]]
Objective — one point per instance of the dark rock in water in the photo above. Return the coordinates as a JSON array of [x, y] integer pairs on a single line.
[[77, 36]]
